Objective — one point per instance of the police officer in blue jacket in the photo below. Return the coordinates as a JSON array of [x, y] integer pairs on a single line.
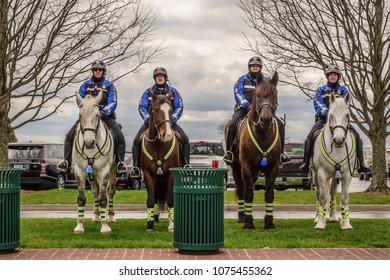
[[107, 106], [244, 89], [160, 76], [321, 106]]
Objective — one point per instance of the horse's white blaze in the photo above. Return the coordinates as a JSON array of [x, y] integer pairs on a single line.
[[168, 133]]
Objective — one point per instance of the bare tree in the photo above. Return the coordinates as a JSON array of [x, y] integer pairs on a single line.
[[302, 36], [47, 45]]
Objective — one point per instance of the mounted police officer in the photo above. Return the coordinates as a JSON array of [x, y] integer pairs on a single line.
[[107, 106], [321, 106], [244, 89], [160, 76]]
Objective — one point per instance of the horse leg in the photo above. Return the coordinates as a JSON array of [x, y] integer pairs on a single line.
[[239, 193], [322, 198], [96, 211], [247, 178], [332, 205], [345, 204], [269, 196], [156, 213], [81, 200], [318, 206], [111, 193], [170, 205], [103, 205], [151, 201]]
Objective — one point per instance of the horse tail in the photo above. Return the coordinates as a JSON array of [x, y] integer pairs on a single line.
[[161, 195]]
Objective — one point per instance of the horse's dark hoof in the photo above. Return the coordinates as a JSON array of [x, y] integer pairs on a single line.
[[150, 226], [249, 226], [248, 222], [269, 222], [156, 218], [241, 218]]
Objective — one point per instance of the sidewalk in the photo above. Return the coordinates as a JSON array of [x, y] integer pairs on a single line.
[[223, 254]]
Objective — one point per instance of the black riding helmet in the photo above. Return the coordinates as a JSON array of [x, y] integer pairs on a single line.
[[162, 71], [98, 64], [333, 69], [255, 60]]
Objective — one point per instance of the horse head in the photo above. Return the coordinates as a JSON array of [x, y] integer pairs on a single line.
[[265, 101], [161, 115], [338, 119], [89, 118]]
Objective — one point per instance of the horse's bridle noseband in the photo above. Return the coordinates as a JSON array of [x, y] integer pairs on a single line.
[[258, 110], [94, 130]]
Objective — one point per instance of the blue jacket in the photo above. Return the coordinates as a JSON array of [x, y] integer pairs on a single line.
[[108, 103], [243, 91], [321, 100], [143, 107]]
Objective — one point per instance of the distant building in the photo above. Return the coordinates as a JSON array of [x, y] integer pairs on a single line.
[[367, 152]]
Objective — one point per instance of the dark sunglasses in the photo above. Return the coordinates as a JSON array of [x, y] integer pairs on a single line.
[[97, 70]]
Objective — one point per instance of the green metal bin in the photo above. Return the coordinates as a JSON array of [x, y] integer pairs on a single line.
[[199, 209], [9, 208]]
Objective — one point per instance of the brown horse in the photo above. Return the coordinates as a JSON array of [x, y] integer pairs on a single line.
[[160, 151], [258, 150]]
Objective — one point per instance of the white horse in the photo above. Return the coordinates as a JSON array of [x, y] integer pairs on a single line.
[[93, 159], [334, 161]]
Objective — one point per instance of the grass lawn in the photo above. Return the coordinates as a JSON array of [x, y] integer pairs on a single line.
[[130, 233], [69, 196]]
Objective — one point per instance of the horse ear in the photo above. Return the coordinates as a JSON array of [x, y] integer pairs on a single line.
[[275, 78], [347, 98], [170, 95], [78, 98], [99, 97], [332, 97], [152, 96]]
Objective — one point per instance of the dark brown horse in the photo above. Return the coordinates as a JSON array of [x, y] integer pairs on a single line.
[[160, 151], [258, 150]]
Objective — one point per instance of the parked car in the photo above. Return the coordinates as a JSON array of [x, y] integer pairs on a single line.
[[289, 175], [209, 153], [39, 161], [125, 182]]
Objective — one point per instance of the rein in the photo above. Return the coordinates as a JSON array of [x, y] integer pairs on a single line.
[[258, 110], [264, 153]]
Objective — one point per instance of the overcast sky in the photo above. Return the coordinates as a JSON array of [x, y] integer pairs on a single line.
[[203, 60]]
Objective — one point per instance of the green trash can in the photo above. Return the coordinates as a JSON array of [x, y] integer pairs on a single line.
[[199, 209], [9, 208]]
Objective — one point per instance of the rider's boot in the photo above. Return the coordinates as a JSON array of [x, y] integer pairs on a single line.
[[121, 165], [135, 172], [359, 154], [186, 154], [283, 157], [63, 165], [229, 157], [306, 157]]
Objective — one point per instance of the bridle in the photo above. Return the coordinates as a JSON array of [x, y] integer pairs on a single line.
[[94, 130], [259, 108], [158, 124]]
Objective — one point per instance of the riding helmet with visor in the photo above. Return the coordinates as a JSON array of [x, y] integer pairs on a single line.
[[99, 64], [333, 69], [255, 60], [160, 71]]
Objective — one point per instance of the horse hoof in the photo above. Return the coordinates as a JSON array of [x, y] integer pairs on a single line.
[[105, 229], [149, 229], [170, 227], [345, 225], [78, 230], [111, 220], [269, 226], [333, 219], [320, 224], [156, 218], [241, 218], [96, 219], [269, 222]]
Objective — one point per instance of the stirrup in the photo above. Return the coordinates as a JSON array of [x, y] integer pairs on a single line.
[[63, 165], [304, 167], [228, 157], [135, 172], [187, 165], [121, 167]]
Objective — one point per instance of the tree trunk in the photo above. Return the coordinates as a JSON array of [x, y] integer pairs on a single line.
[[379, 166], [4, 95]]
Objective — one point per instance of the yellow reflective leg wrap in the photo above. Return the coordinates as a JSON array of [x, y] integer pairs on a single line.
[[111, 205], [80, 213], [103, 215], [333, 206], [320, 212], [96, 206], [345, 212], [150, 214], [241, 207], [171, 214], [269, 209], [156, 210], [248, 209]]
